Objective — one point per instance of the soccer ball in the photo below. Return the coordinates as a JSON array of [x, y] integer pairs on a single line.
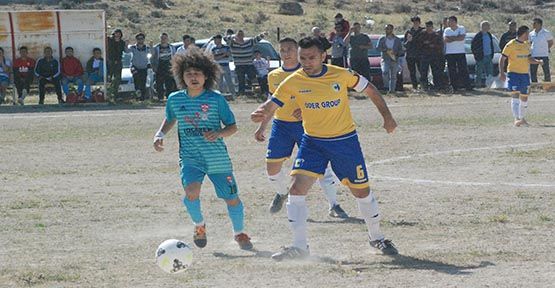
[[174, 256]]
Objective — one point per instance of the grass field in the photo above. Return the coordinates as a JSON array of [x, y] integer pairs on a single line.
[[467, 198]]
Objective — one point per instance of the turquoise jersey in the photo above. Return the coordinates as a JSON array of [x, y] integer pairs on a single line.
[[195, 116]]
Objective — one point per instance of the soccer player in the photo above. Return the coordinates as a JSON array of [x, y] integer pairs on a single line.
[[517, 52], [287, 132], [329, 136], [200, 113]]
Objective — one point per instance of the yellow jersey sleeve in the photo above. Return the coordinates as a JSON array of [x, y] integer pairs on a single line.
[[355, 81], [285, 112]]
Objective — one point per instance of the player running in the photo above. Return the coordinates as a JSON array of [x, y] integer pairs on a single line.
[[330, 136], [200, 113], [287, 132], [518, 53]]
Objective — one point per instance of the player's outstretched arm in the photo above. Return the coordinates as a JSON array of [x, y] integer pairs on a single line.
[[226, 132], [389, 123], [159, 136], [264, 112]]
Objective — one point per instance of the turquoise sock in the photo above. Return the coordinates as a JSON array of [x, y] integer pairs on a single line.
[[236, 214], [193, 207]]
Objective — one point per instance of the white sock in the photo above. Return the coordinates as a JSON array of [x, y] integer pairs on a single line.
[[522, 110], [328, 186], [368, 208], [515, 104], [279, 181], [297, 212]]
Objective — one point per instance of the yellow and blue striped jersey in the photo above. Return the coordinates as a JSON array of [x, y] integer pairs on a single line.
[[518, 53], [323, 99], [275, 77]]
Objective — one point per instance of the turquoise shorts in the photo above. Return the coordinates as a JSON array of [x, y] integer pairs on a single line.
[[224, 183]]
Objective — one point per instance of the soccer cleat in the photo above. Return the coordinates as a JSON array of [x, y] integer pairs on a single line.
[[277, 203], [291, 253], [338, 212], [384, 246], [200, 236], [244, 241]]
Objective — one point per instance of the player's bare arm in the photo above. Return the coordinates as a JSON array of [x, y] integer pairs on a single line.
[[226, 132], [259, 133], [389, 123], [502, 61], [159, 136], [264, 112]]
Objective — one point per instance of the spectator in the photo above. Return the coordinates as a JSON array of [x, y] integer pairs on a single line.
[[542, 41], [72, 72], [222, 55], [5, 72], [262, 65], [116, 47], [187, 40], [243, 53], [161, 59], [316, 32], [508, 36], [95, 72], [430, 43], [443, 26], [391, 47], [140, 62], [412, 53], [48, 71], [455, 54], [345, 26], [23, 74], [339, 46], [358, 56], [482, 49]]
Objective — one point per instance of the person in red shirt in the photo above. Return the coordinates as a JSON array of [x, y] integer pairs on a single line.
[[23, 73], [72, 72], [345, 25]]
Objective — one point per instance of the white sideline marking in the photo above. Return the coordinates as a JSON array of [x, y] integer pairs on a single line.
[[457, 151], [458, 183], [152, 111]]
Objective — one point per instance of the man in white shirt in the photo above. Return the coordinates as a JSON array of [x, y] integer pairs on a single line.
[[456, 55], [542, 41], [186, 42]]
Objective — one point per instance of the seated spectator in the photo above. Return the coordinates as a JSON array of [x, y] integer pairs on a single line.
[[23, 74], [262, 65], [391, 48], [95, 72], [72, 72], [48, 71], [5, 70]]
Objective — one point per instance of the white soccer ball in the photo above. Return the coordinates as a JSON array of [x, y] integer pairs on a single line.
[[174, 256]]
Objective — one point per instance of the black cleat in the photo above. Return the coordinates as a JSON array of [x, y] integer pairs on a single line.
[[277, 203], [385, 247]]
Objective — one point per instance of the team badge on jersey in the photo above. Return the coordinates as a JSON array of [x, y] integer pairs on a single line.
[[204, 108], [336, 87]]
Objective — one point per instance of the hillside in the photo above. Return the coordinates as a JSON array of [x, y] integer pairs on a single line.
[[202, 18]]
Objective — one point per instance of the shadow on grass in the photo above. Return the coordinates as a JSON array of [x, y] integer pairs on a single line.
[[350, 220], [256, 254], [412, 263]]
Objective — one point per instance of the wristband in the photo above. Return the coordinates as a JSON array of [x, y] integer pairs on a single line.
[[159, 135]]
